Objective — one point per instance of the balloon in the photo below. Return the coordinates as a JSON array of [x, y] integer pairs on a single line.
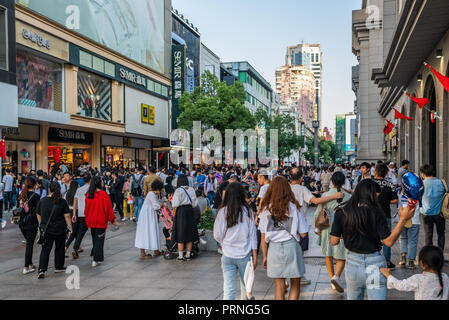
[[413, 186]]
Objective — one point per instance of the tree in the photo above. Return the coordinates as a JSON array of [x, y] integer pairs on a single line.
[[288, 140], [327, 150], [216, 105]]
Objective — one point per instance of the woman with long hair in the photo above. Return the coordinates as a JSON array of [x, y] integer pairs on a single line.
[[185, 227], [282, 225], [28, 201], [333, 252], [98, 212], [235, 230], [53, 214], [363, 226]]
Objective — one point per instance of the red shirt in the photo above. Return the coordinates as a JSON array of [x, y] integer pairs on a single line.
[[98, 211]]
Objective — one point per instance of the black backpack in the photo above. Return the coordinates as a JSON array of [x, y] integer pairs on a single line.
[[136, 189]]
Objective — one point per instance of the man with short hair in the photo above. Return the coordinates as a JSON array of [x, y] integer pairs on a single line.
[[64, 169], [434, 192], [149, 180], [65, 184], [45, 182], [8, 182], [365, 169], [402, 171]]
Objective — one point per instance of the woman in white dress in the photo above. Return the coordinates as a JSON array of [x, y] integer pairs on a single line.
[[147, 233]]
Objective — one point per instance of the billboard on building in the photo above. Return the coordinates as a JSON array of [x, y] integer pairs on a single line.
[[350, 133], [133, 28]]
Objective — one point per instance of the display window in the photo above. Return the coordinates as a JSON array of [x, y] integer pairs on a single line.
[[20, 156], [73, 156], [94, 96], [39, 82]]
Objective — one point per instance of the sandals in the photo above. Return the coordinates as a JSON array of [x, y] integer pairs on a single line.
[[147, 256]]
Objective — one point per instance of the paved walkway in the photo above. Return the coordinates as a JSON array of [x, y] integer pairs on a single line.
[[125, 276]]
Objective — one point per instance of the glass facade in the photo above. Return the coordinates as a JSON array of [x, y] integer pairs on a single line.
[[94, 96], [3, 39], [245, 77], [39, 82]]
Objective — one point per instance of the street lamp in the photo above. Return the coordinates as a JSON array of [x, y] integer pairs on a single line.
[[316, 126]]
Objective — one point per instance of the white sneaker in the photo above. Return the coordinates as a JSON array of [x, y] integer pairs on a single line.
[[219, 251], [333, 287], [203, 242], [3, 224], [336, 281], [124, 219], [28, 271], [305, 281], [95, 264], [24, 241]]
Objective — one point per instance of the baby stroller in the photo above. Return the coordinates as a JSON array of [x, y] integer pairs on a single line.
[[169, 231]]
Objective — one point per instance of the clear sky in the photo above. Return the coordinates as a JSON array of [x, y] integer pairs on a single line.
[[260, 30]]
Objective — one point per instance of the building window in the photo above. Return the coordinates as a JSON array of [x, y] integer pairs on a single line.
[[94, 96], [242, 77], [3, 39], [39, 82]]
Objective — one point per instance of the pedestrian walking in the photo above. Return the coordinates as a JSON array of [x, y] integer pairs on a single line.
[[137, 190], [98, 212], [27, 203], [54, 217], [8, 185], [235, 230], [432, 284], [362, 225], [282, 224]]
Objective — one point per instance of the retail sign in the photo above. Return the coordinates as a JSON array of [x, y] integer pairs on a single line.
[[179, 71], [133, 77], [36, 38], [70, 136], [25, 132], [148, 114]]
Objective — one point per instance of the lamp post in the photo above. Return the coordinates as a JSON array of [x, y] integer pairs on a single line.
[[316, 126]]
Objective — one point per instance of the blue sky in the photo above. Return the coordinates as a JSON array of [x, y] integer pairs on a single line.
[[260, 30]]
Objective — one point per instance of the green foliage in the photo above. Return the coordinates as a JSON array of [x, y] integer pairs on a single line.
[[207, 220], [216, 105], [327, 150], [288, 141]]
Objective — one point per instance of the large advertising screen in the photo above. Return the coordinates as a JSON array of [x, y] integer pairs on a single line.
[[350, 133], [133, 28]]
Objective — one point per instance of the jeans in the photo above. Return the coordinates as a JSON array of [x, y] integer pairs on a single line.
[[30, 237], [363, 274], [428, 224], [59, 252], [98, 237], [1, 210], [230, 268], [210, 197], [79, 230], [387, 250], [138, 202], [7, 197], [119, 204], [409, 241]]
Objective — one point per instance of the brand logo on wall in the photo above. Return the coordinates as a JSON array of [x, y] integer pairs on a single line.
[[36, 38], [179, 71], [132, 77], [148, 114], [70, 136]]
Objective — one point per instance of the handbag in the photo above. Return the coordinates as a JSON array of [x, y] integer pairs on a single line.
[[20, 216], [322, 222], [43, 229]]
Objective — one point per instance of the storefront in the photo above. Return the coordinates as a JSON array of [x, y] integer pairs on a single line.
[[20, 147], [73, 148], [124, 152]]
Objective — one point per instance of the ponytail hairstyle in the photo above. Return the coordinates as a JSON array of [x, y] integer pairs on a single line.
[[30, 184], [55, 190], [432, 258], [70, 196], [94, 185]]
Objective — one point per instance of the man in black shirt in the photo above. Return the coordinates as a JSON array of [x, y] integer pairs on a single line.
[[387, 197]]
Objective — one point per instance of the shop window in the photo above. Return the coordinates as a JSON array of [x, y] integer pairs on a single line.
[[39, 82], [3, 39], [94, 96]]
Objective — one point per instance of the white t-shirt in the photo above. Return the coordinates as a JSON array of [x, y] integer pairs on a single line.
[[302, 195], [8, 181], [180, 197], [263, 191], [80, 197], [1, 191], [296, 225]]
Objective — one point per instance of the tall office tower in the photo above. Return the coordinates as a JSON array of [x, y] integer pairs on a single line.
[[310, 56]]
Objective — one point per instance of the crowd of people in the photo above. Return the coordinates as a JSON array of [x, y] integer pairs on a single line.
[[257, 211]]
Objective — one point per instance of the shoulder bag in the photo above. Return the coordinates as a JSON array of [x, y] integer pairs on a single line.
[[43, 229], [20, 215]]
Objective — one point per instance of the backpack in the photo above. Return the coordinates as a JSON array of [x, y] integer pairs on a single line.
[[136, 188], [445, 202]]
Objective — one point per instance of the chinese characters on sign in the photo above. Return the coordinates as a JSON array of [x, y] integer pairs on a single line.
[[178, 71], [37, 39], [133, 77]]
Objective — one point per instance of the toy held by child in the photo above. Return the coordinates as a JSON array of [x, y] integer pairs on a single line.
[[432, 284]]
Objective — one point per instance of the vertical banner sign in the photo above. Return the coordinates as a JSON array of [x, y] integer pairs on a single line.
[[144, 113], [179, 83]]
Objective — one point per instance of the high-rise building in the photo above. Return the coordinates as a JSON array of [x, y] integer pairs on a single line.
[[296, 85], [310, 56]]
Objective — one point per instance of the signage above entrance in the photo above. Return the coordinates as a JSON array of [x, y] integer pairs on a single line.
[[36, 38], [70, 136]]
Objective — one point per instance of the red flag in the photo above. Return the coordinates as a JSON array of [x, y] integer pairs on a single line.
[[398, 115], [388, 128], [420, 101], [2, 149], [432, 117], [444, 80]]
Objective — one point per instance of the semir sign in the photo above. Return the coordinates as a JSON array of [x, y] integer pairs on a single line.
[[132, 77], [37, 39]]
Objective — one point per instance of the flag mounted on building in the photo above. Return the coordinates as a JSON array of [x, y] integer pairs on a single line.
[[420, 101], [443, 80], [2, 149], [388, 128], [399, 116]]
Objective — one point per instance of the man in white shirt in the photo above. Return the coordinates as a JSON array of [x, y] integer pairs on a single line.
[[79, 218], [391, 176], [1, 206], [8, 183]]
